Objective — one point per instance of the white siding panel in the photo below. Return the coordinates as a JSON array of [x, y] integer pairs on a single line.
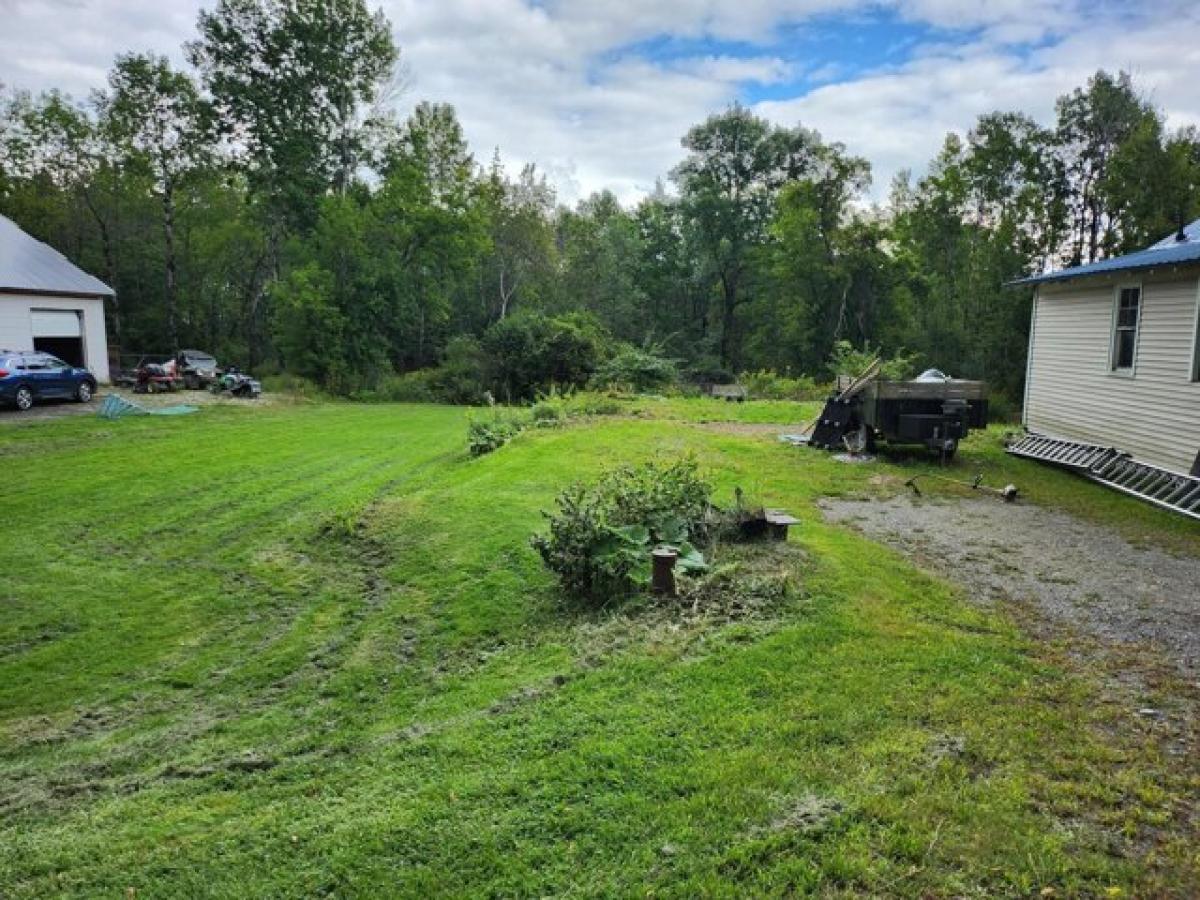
[[1153, 413], [16, 332]]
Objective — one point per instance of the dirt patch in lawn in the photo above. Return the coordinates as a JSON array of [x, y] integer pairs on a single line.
[[61, 409], [1072, 574]]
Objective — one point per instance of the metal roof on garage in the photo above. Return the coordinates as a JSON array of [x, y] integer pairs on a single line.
[[1172, 250], [27, 266]]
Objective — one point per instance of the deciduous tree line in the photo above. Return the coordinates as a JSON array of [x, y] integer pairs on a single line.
[[266, 205]]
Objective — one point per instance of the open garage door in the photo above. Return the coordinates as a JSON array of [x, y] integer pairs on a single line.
[[59, 332]]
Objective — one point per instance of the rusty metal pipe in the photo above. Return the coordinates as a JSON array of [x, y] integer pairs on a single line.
[[662, 574]]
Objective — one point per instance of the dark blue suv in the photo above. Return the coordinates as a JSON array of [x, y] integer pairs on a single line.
[[27, 376]]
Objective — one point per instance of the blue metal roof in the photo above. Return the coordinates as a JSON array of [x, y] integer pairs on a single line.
[[1170, 251]]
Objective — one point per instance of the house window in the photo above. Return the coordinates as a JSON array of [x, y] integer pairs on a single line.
[[1125, 328]]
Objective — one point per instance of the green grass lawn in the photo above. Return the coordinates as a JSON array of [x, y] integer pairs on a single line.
[[307, 649]]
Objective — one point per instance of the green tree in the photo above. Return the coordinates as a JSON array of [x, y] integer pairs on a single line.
[[428, 234], [289, 79], [668, 275], [62, 182], [1152, 185], [823, 286], [1093, 123], [599, 243], [157, 120], [728, 183], [521, 261]]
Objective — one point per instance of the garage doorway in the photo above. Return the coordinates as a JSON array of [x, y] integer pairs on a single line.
[[59, 332]]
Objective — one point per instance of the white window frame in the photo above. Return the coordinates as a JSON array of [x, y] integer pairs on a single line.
[[1137, 329]]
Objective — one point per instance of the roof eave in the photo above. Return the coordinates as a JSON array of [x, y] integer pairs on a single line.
[[1068, 275], [45, 292]]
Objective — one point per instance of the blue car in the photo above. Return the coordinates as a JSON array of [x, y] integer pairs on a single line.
[[27, 376]]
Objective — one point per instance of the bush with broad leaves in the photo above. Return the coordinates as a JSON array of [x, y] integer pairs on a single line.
[[601, 535]]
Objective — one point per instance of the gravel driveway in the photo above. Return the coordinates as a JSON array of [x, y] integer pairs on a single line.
[[1075, 573]]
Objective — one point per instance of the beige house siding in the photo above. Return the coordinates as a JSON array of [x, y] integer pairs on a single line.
[[1072, 392]]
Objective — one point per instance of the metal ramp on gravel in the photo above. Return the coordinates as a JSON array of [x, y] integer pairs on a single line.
[[1118, 470]]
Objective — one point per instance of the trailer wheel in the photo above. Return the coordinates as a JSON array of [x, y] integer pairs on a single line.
[[949, 448]]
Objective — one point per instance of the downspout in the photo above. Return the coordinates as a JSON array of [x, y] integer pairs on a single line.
[[1037, 293]]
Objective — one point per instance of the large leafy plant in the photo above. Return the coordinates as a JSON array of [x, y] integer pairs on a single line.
[[600, 537]]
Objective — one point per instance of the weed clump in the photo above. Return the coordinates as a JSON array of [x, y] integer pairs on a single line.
[[485, 436], [732, 592], [552, 408], [493, 432], [766, 384], [546, 414]]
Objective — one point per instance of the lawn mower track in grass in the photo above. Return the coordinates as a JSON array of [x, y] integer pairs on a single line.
[[307, 649]]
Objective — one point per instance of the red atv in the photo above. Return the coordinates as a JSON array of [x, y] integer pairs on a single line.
[[152, 377]]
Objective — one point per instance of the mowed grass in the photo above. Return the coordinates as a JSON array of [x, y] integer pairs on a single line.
[[307, 650]]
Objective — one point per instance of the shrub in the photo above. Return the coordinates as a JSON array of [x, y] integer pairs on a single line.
[[1002, 409], [641, 370], [568, 404], [494, 431], [460, 377], [485, 436], [767, 385], [661, 496], [846, 359], [527, 352], [708, 370], [600, 536], [592, 404], [552, 406], [296, 385], [410, 387], [544, 413]]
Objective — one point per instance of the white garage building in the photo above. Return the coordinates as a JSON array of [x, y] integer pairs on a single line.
[[48, 303]]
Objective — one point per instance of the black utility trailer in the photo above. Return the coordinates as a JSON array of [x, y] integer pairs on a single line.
[[932, 410]]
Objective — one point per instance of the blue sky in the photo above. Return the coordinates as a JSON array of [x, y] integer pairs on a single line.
[[598, 93], [817, 52]]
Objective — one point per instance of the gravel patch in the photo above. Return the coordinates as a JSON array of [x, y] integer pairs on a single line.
[[1073, 572]]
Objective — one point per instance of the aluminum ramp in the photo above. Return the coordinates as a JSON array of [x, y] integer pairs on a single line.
[[1118, 470]]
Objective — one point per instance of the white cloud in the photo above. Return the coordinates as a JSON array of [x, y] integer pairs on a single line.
[[70, 44], [566, 83]]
